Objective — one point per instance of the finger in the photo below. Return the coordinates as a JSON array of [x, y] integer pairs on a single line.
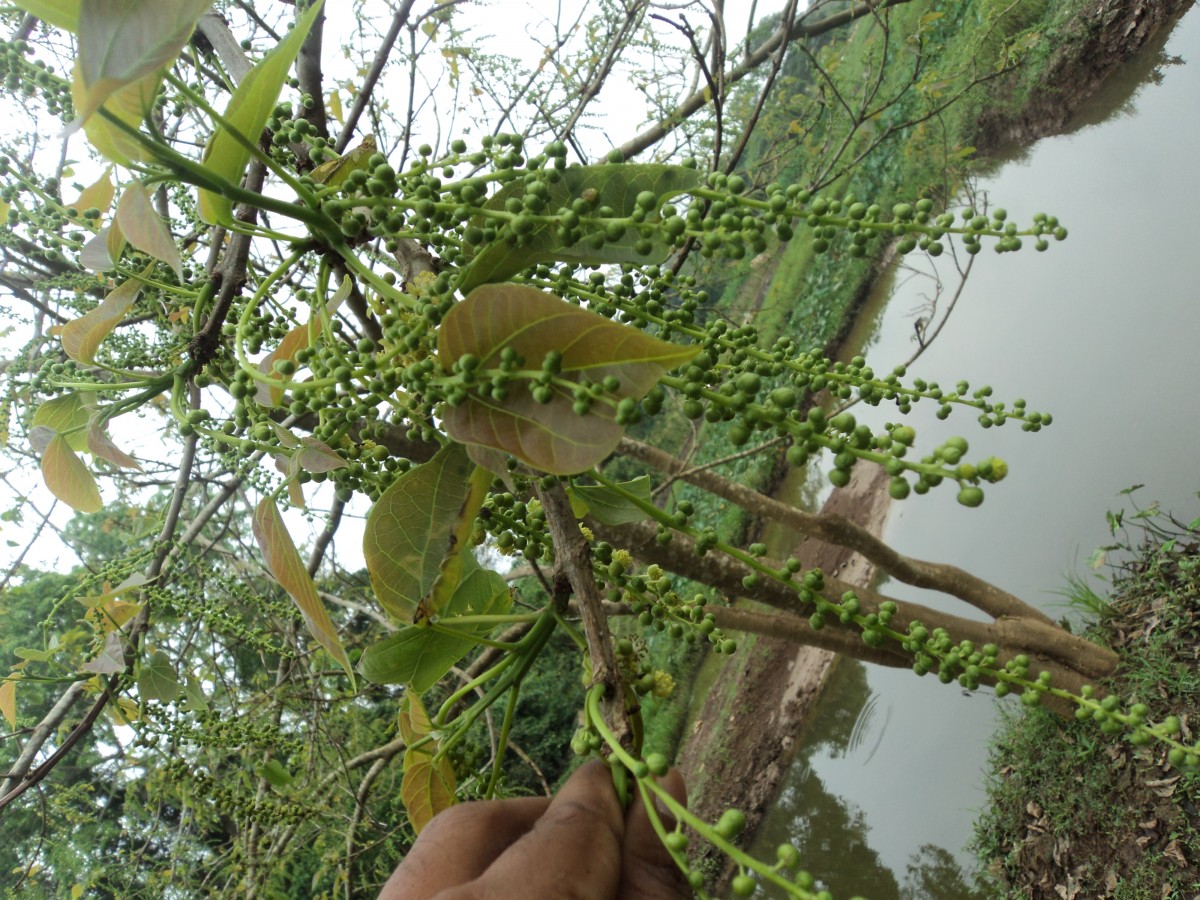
[[647, 870], [459, 845], [572, 853]]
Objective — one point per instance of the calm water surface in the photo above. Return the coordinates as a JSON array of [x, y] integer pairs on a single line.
[[1101, 331]]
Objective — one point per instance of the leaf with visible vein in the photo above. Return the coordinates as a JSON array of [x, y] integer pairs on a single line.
[[144, 227], [548, 436], [450, 572], [157, 680], [130, 104], [408, 530], [69, 416], [101, 445], [285, 566], [248, 110], [82, 337], [419, 656], [428, 785], [68, 478], [607, 506], [121, 41]]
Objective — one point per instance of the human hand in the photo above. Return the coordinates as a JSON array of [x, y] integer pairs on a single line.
[[578, 845]]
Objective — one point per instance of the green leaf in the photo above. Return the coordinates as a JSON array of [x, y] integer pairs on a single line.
[[59, 13], [316, 456], [614, 186], [275, 774], [419, 656], [69, 416], [450, 572], [428, 785], [248, 110], [334, 172], [408, 531], [285, 565], [548, 436], [145, 228], [606, 505], [157, 680], [68, 478], [121, 41], [82, 337]]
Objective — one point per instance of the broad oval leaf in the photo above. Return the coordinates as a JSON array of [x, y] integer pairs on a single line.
[[144, 227], [548, 436], [82, 337], [607, 506], [68, 478], [409, 528], [428, 785], [130, 104], [247, 112], [614, 185], [419, 656], [285, 565], [157, 679], [317, 456], [97, 195], [69, 416], [121, 41]]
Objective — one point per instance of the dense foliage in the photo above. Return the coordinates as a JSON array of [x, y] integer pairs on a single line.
[[239, 332]]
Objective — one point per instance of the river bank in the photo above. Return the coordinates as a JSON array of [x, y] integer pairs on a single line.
[[744, 733]]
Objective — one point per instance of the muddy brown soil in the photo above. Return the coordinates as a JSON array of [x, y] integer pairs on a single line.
[[743, 739]]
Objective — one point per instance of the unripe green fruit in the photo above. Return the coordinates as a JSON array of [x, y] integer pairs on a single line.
[[743, 885], [788, 856], [840, 478], [730, 824], [676, 842], [970, 496], [658, 763]]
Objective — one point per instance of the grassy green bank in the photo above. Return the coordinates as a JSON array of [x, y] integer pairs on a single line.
[[1073, 813]]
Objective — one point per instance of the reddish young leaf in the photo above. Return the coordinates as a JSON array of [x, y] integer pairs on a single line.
[[285, 565], [82, 337], [101, 445], [145, 228], [548, 436]]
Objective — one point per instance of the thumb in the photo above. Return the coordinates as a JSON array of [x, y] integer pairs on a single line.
[[647, 870]]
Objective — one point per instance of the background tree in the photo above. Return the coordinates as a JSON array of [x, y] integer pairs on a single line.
[[280, 290]]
